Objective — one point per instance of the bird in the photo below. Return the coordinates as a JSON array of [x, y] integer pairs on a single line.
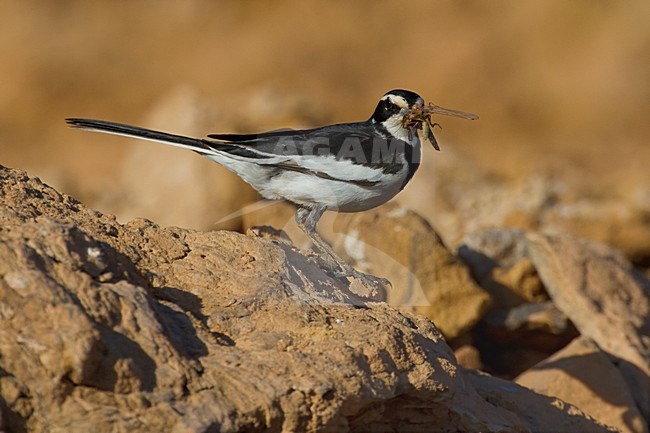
[[344, 167]]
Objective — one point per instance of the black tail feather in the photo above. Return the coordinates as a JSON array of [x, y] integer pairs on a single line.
[[195, 144]]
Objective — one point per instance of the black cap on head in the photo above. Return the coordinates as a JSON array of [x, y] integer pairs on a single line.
[[386, 108], [410, 97]]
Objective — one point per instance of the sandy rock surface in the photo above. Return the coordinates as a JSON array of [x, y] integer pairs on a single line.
[[605, 297], [585, 376], [136, 327], [398, 244], [499, 261], [462, 199]]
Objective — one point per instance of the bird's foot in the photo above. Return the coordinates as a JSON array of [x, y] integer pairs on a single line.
[[343, 270]]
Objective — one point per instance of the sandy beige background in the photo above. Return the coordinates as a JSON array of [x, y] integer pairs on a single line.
[[561, 87]]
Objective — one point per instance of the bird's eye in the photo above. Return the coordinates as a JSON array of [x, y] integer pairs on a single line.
[[389, 106]]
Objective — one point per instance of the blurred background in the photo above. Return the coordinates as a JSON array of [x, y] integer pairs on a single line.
[[562, 145], [562, 88]]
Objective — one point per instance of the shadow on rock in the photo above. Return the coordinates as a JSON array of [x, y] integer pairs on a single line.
[[309, 283]]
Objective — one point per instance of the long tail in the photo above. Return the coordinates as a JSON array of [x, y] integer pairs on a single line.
[[194, 144]]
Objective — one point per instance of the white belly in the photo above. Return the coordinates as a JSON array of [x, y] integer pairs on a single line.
[[340, 196], [349, 194]]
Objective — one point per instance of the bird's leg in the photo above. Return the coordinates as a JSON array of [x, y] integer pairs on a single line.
[[307, 218]]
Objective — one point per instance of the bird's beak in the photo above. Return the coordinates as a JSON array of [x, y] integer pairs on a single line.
[[405, 111]]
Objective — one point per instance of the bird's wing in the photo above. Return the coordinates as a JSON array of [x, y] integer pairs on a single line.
[[345, 152], [338, 141], [320, 152], [239, 138]]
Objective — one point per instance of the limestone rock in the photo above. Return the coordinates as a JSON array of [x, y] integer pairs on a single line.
[[281, 216], [584, 376], [464, 203], [544, 317], [605, 297], [110, 327], [619, 223], [500, 263], [469, 357], [398, 244], [513, 339], [495, 246], [501, 393], [464, 197]]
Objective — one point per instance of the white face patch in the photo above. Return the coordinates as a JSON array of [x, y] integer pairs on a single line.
[[397, 100], [394, 123]]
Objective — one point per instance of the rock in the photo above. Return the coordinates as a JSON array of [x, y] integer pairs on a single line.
[[479, 202], [469, 357], [281, 216], [501, 393], [522, 280], [487, 248], [581, 374], [110, 327], [622, 224], [530, 317], [605, 297], [463, 197], [398, 244], [500, 264], [513, 339]]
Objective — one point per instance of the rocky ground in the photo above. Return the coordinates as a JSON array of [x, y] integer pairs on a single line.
[[136, 327], [521, 249]]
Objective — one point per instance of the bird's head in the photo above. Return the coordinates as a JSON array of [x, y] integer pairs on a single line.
[[394, 105], [402, 112]]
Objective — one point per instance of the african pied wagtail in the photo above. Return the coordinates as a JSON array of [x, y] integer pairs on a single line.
[[347, 167]]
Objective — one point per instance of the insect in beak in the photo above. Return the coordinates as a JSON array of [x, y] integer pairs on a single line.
[[420, 118], [427, 131], [434, 109]]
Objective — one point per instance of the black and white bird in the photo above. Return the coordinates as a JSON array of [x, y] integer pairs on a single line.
[[347, 167]]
